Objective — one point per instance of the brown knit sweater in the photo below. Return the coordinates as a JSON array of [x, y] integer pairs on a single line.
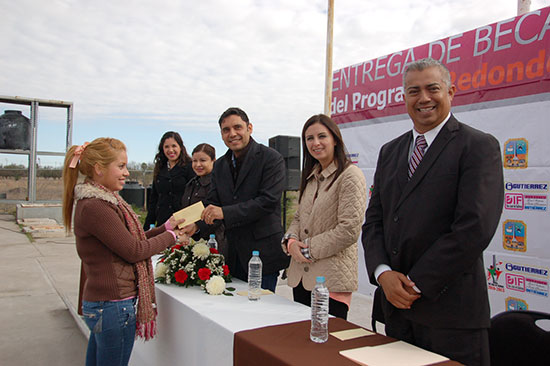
[[107, 248]]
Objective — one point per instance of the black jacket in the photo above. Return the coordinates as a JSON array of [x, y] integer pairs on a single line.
[[165, 197], [196, 190], [251, 207]]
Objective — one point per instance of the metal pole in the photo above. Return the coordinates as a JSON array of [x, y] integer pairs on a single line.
[[31, 190], [69, 137], [523, 6], [328, 71]]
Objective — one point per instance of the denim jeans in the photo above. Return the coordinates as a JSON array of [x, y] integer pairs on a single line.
[[113, 326]]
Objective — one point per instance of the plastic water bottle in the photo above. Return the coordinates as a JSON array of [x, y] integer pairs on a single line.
[[254, 276], [212, 243], [319, 312]]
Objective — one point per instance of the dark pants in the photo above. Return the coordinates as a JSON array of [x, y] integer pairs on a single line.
[[467, 346], [336, 308]]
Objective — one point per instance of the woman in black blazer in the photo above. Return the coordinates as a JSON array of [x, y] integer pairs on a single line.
[[203, 158], [171, 174]]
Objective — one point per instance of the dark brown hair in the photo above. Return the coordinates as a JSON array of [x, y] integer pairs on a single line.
[[161, 159], [309, 162], [207, 149]]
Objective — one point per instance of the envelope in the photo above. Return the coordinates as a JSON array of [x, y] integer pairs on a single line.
[[191, 214]]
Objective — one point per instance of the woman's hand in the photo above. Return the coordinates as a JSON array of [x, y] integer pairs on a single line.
[[183, 238], [172, 223], [293, 246]]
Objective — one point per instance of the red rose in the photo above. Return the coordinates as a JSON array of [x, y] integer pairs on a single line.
[[177, 246], [225, 270], [162, 260], [204, 274], [181, 276], [214, 251]]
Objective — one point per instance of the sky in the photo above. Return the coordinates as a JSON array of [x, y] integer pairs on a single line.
[[135, 69]]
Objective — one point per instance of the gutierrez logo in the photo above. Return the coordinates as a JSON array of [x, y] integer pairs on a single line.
[[515, 153], [514, 235], [513, 303]]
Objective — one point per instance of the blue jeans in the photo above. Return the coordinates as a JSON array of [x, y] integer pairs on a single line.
[[113, 327]]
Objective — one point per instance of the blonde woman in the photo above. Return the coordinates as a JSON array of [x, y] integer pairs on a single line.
[[115, 252], [322, 239]]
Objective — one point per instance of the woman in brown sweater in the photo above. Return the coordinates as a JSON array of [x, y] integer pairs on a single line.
[[116, 268]]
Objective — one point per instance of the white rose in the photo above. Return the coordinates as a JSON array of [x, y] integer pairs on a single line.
[[215, 285], [160, 269], [201, 251]]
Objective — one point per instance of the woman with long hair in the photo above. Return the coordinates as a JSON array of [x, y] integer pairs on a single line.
[[203, 158], [322, 238], [171, 173], [116, 273]]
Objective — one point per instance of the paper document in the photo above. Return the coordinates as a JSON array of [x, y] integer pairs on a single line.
[[264, 292], [392, 354], [191, 214], [344, 335]]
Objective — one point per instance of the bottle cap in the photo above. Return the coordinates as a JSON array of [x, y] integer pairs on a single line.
[[320, 279], [212, 236], [255, 252], [151, 226]]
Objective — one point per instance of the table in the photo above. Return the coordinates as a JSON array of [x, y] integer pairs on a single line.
[[195, 328], [289, 345]]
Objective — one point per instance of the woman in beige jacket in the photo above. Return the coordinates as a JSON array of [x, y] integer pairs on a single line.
[[322, 238]]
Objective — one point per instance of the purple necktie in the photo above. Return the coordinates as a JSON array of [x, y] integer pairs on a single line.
[[416, 157]]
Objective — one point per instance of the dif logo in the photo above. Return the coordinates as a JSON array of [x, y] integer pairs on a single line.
[[515, 282], [515, 153], [513, 303], [514, 235], [514, 201]]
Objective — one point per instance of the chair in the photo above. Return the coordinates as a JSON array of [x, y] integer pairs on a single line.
[[516, 339]]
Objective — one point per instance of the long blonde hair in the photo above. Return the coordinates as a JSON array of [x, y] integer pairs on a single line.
[[102, 151]]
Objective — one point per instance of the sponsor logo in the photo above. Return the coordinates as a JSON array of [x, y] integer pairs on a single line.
[[514, 235], [515, 153], [513, 303], [536, 287], [493, 273], [528, 196], [354, 157], [515, 282], [513, 201], [538, 271], [526, 186]]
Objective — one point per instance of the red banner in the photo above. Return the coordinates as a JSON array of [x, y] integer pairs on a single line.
[[507, 59]]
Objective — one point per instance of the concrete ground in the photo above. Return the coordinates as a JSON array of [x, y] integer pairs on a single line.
[[38, 295]]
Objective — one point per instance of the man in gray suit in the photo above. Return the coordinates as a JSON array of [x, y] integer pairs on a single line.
[[245, 192], [436, 203]]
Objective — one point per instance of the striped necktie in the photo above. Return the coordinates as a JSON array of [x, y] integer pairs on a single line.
[[416, 157]]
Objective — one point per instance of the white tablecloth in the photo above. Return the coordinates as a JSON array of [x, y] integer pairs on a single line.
[[195, 328]]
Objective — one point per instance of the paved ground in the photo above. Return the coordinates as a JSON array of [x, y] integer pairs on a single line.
[[38, 293]]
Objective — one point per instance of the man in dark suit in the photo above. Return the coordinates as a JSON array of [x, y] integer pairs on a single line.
[[246, 188], [436, 203]]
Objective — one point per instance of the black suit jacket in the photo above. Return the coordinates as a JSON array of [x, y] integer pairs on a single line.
[[252, 206], [435, 226]]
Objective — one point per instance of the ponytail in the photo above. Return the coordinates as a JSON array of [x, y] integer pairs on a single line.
[[70, 177]]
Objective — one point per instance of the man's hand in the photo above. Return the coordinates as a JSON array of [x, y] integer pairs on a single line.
[[211, 213], [294, 247], [398, 289], [190, 229]]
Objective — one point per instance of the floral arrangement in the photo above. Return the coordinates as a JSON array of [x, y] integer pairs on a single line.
[[194, 264]]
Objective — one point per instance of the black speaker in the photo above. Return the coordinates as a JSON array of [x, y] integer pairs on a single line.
[[289, 148]]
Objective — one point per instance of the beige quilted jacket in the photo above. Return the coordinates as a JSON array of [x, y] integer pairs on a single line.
[[333, 223]]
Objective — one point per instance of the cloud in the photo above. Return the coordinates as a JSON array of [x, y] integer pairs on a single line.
[[138, 68]]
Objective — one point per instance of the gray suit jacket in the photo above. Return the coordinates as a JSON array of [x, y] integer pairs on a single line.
[[435, 226]]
